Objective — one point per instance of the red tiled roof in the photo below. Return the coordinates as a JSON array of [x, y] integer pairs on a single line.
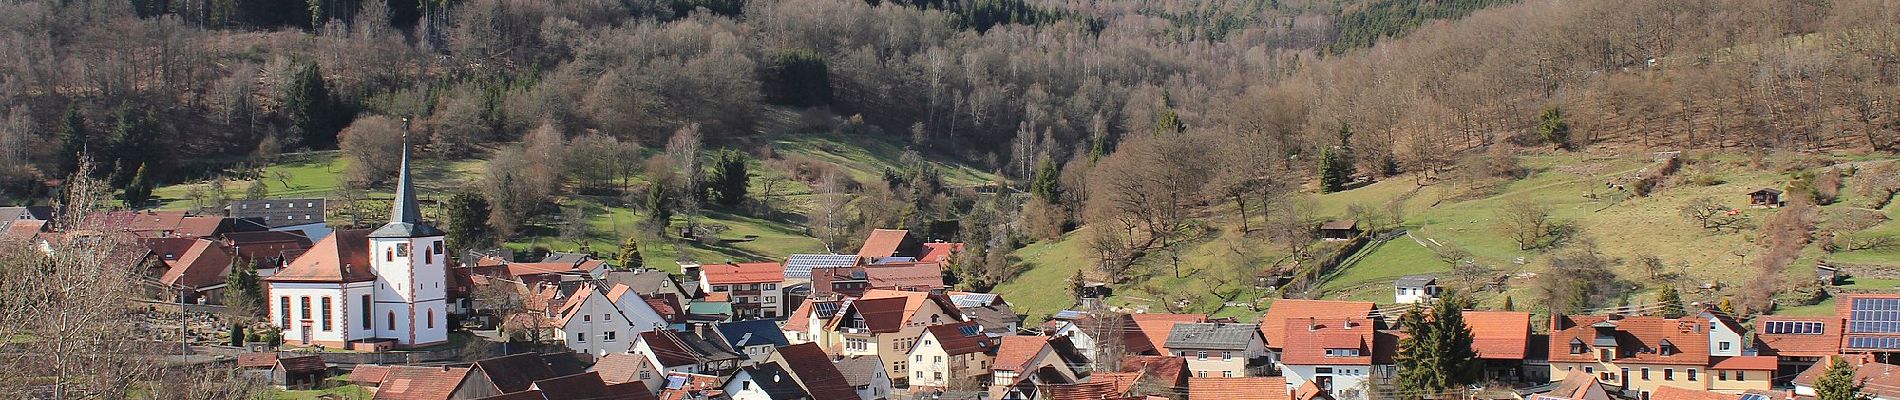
[[1168, 369], [145, 221], [341, 257], [939, 252], [1880, 380], [814, 370], [619, 367], [420, 383], [1634, 334], [1499, 335], [205, 264], [881, 315], [309, 363], [542, 268], [1154, 328], [368, 375], [800, 317], [1826, 343], [1263, 388], [1101, 385], [882, 243], [727, 274], [24, 229], [951, 338], [630, 391], [1273, 323], [198, 226], [1746, 363], [1307, 342], [1015, 353], [257, 360], [910, 276], [717, 297], [1677, 393]]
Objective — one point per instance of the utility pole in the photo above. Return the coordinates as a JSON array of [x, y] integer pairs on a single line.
[[184, 326]]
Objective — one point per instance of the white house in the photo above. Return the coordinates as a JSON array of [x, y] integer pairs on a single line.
[[1339, 357], [370, 289], [1220, 350], [1414, 289], [766, 381], [866, 375], [595, 323]]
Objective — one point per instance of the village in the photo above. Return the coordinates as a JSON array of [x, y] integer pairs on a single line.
[[392, 315]]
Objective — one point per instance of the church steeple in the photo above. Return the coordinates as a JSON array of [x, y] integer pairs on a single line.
[[405, 217]]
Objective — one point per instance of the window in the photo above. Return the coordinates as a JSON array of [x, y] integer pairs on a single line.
[[283, 315], [745, 385], [1202, 355], [305, 311], [587, 318], [771, 286], [1589, 370], [428, 258], [607, 317], [1692, 374], [392, 320], [1226, 355], [326, 324], [367, 307], [1323, 370], [431, 320], [719, 288], [1342, 352], [436, 247], [936, 359], [267, 206], [1645, 373], [580, 337], [920, 375], [1740, 375], [389, 254], [1227, 374], [1577, 346], [1721, 375], [771, 299], [1723, 345], [1203, 374], [937, 375], [920, 358], [1669, 374], [645, 375]]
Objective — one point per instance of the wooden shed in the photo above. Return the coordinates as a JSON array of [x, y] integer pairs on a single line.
[[1339, 230], [1765, 198]]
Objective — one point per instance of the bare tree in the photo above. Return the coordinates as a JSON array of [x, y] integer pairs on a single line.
[[1712, 214], [373, 144], [828, 220], [1528, 223]]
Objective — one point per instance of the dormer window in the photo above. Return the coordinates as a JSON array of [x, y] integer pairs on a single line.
[[1342, 352], [1667, 348], [1577, 346]]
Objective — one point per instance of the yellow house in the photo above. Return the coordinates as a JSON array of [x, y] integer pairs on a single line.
[[887, 324], [1642, 353], [951, 357]]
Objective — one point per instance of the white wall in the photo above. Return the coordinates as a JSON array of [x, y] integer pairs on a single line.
[[1346, 378], [741, 389], [413, 287]]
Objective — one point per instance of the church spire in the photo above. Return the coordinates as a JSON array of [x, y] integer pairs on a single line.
[[405, 216]]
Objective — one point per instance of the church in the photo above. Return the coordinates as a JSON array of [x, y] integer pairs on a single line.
[[370, 290]]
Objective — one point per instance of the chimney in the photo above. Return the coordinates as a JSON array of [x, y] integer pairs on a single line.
[[1348, 324], [1312, 324], [445, 367]]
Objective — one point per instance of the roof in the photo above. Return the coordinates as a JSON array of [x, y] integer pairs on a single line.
[[1880, 380], [1579, 387], [1827, 342], [257, 359], [514, 373], [618, 367], [883, 243], [1273, 323], [681, 385], [1307, 342], [630, 391], [1637, 338], [541, 268], [961, 338], [1412, 281], [993, 318], [1101, 385], [751, 333], [729, 273], [816, 372], [198, 226], [801, 264], [1343, 224], [23, 229], [204, 264], [776, 382], [1499, 335], [674, 348], [341, 257], [369, 375], [1015, 352], [1211, 336], [405, 216], [859, 370], [1746, 363], [421, 383], [644, 282], [1153, 330], [26, 213], [800, 318], [881, 315], [1677, 393], [1261, 388], [913, 276], [1772, 191], [577, 386], [309, 363], [939, 252], [1168, 369]]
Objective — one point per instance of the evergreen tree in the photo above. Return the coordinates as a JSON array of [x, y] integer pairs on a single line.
[[799, 78], [244, 292], [1552, 127], [139, 190], [731, 176], [1048, 183], [72, 139], [1334, 170], [1726, 306], [1166, 120], [467, 216], [1671, 303], [630, 254], [1507, 304], [313, 111], [237, 335], [1838, 383], [659, 207], [131, 141], [1438, 355]]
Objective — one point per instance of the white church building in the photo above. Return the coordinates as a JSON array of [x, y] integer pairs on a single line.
[[368, 290]]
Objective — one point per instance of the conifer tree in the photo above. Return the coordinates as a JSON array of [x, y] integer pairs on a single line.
[[244, 292], [72, 139], [1671, 303], [630, 254], [1048, 183], [139, 190], [731, 176], [467, 216], [1838, 383], [1507, 304], [1334, 170], [1438, 355]]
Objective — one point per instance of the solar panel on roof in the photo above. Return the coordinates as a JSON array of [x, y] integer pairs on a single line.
[[675, 382], [1068, 314], [969, 330], [1752, 396], [888, 260]]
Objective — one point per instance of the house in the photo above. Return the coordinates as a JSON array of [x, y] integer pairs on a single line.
[[767, 381], [885, 243], [304, 216], [1345, 358], [1872, 324], [578, 386], [1024, 364], [513, 373], [378, 288], [685, 386], [1274, 322], [852, 281], [1638, 354], [988, 310], [1154, 328], [866, 376], [799, 266], [1237, 388], [807, 323], [1101, 385], [592, 322], [887, 324], [757, 338], [686, 352], [754, 287], [1880, 381], [814, 371], [1765, 198], [1163, 372], [1797, 342], [1415, 288], [199, 273], [267, 250], [628, 367], [652, 284], [368, 376], [303, 372], [1502, 341], [1575, 387], [433, 383], [28, 213], [950, 355], [1216, 349], [1344, 229]]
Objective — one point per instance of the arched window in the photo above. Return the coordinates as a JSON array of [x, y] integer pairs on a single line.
[[428, 257], [392, 320], [431, 318], [389, 254]]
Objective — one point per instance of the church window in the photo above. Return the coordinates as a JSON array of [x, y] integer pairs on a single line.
[[389, 254], [283, 311], [428, 257], [305, 315], [326, 314], [431, 318], [392, 320], [367, 307]]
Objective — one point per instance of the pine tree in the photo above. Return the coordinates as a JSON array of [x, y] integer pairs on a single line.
[[131, 140], [1508, 306], [1334, 170], [1838, 383], [467, 217], [1671, 303], [1727, 306], [630, 254], [313, 112], [72, 139], [1048, 183], [1417, 356], [139, 190], [1552, 127], [659, 207], [244, 292], [731, 176], [1166, 120], [1438, 355]]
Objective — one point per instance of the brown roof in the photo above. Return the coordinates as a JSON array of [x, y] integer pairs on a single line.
[[1015, 353], [1168, 369], [1633, 335], [1746, 363], [961, 338], [1264, 388], [815, 372], [1825, 343], [1580, 387], [1101, 385], [1344, 224], [1273, 323], [619, 367], [939, 252], [729, 273], [542, 268], [514, 373], [578, 386], [912, 276], [1499, 335], [309, 363], [882, 243], [1677, 393], [257, 360], [369, 375], [204, 264], [800, 318], [420, 383], [914, 301], [198, 226], [1154, 328], [1881, 380], [630, 391], [1307, 342], [881, 315], [341, 257]]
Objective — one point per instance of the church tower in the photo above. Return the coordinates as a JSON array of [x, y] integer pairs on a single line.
[[410, 263]]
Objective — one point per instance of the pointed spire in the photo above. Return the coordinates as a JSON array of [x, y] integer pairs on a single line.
[[405, 216]]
